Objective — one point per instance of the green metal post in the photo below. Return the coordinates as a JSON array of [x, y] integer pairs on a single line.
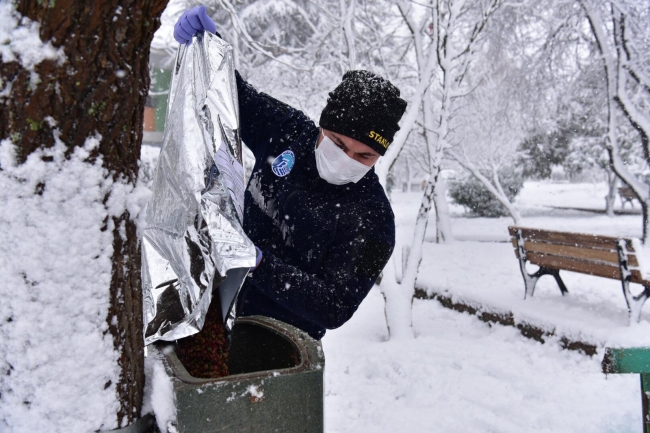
[[645, 401], [632, 360]]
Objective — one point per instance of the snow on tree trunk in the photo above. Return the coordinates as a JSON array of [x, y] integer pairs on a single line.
[[409, 174], [443, 220], [407, 123], [347, 13], [606, 21], [610, 198], [435, 135], [398, 299], [426, 67], [646, 222], [71, 345], [415, 252], [435, 53]]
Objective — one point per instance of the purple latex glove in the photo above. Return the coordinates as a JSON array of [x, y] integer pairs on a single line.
[[191, 22]]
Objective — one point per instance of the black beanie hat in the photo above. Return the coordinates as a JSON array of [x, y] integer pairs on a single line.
[[365, 107]]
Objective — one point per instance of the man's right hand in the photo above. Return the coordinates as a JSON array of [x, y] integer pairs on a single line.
[[191, 22]]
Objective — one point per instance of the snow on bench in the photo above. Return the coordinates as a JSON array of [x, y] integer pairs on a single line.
[[603, 256]]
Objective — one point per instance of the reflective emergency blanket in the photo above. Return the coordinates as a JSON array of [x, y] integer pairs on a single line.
[[194, 240]]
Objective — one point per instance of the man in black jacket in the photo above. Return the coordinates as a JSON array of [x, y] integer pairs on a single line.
[[314, 206]]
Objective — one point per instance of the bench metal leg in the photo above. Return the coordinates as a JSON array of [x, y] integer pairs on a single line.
[[634, 303], [558, 279], [530, 280]]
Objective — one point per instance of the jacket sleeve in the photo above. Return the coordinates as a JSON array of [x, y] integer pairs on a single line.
[[348, 272], [260, 116]]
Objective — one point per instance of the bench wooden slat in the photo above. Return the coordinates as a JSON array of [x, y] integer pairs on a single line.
[[607, 256], [567, 238], [590, 268], [576, 252], [635, 277]]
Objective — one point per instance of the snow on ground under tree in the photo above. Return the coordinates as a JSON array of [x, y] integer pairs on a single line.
[[461, 375]]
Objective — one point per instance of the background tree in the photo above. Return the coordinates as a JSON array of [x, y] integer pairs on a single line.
[[542, 152], [411, 167], [570, 130], [447, 37], [621, 34], [486, 141], [74, 77], [290, 44]]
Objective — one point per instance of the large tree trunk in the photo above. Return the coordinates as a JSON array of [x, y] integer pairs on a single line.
[[97, 90], [436, 144], [399, 296]]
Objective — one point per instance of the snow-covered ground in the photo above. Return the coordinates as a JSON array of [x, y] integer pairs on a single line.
[[460, 374], [483, 267]]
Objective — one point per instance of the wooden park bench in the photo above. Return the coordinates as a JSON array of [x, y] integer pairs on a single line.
[[627, 196], [601, 256], [635, 360]]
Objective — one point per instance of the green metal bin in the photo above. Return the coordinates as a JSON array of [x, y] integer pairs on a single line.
[[276, 383]]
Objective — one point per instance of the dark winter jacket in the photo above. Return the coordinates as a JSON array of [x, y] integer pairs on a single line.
[[323, 245]]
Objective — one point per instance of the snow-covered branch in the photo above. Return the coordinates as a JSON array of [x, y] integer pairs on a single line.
[[610, 41], [240, 28]]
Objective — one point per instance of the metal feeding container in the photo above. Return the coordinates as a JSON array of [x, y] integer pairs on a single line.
[[275, 385]]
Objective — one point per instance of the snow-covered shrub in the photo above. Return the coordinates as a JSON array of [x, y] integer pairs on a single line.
[[469, 192]]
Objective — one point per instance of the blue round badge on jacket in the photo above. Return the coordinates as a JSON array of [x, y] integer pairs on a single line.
[[283, 164]]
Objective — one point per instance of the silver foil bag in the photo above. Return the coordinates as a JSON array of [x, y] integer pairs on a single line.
[[194, 240]]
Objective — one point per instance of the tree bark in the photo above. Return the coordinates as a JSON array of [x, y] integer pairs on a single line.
[[99, 89]]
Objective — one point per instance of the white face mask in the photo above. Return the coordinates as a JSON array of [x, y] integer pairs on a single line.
[[335, 166]]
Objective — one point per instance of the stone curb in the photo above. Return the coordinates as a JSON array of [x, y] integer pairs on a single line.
[[507, 318]]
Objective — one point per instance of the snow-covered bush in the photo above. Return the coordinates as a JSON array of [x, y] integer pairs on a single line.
[[472, 194]]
